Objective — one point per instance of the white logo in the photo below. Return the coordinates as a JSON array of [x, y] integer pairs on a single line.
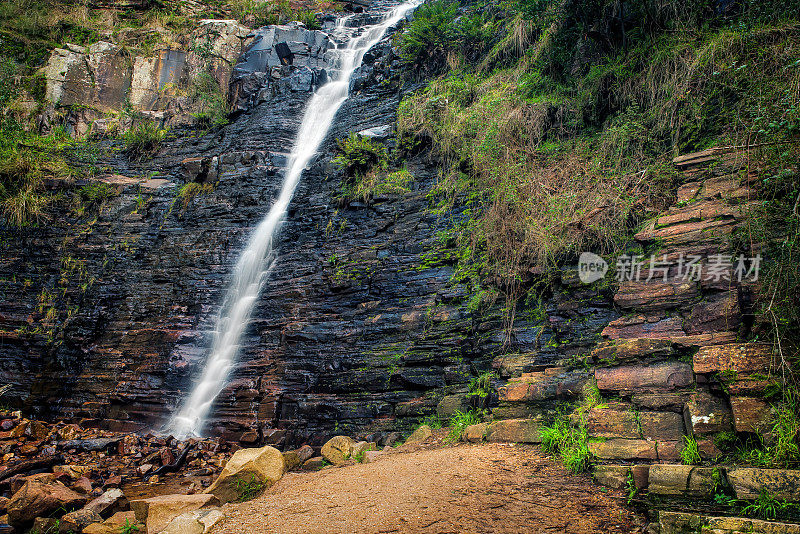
[[591, 267]]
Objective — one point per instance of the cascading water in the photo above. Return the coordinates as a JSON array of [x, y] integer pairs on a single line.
[[256, 260]]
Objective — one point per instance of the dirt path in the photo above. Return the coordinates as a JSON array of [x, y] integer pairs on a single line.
[[459, 489]]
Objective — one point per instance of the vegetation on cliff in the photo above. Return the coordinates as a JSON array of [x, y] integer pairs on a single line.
[[557, 122]]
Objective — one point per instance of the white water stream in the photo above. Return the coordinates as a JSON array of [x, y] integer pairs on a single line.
[[254, 264]]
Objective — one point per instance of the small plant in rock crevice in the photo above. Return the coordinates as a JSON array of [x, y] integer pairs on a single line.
[[360, 155], [144, 140], [690, 454], [248, 488], [129, 528]]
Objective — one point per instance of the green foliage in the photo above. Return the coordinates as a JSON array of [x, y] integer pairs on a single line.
[[129, 528], [460, 421], [630, 488], [360, 155], [429, 35], [25, 207], [432, 421], [97, 192], [144, 140], [768, 507], [568, 442], [376, 183], [248, 488], [690, 454], [213, 107], [192, 190]]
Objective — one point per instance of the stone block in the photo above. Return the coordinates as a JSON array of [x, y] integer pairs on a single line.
[[613, 476], [474, 433], [738, 357], [626, 350], [752, 415], [610, 423], [540, 386], [748, 482], [450, 404], [157, 512], [661, 425], [706, 414], [514, 431], [665, 375], [676, 479], [624, 449]]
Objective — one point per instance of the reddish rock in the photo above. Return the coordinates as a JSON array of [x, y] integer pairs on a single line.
[[624, 449], [39, 496], [739, 357], [305, 452], [715, 314], [624, 350], [166, 456], [610, 423], [752, 415], [655, 296], [541, 386], [660, 426], [662, 376], [669, 451], [82, 485], [641, 326]]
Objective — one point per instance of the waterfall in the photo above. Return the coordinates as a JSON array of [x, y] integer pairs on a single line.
[[253, 266]]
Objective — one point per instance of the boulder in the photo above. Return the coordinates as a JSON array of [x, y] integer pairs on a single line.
[[40, 495], [514, 431], [196, 522], [475, 433], [265, 465], [337, 449], [109, 503], [157, 512], [422, 433], [78, 520], [114, 524], [361, 447]]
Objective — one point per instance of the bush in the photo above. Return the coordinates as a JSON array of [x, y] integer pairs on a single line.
[[360, 155], [192, 190], [431, 33], [460, 421], [144, 140]]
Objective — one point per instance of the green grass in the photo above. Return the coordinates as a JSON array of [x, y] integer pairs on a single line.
[[144, 140], [569, 443], [460, 421], [768, 507], [248, 488], [690, 454]]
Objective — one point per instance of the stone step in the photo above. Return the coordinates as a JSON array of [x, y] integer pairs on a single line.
[[504, 431], [683, 522]]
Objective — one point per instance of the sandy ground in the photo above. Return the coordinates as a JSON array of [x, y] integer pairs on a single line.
[[456, 489]]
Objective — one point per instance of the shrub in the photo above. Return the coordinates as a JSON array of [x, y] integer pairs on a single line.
[[97, 192], [144, 140], [430, 34], [359, 155], [377, 182]]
